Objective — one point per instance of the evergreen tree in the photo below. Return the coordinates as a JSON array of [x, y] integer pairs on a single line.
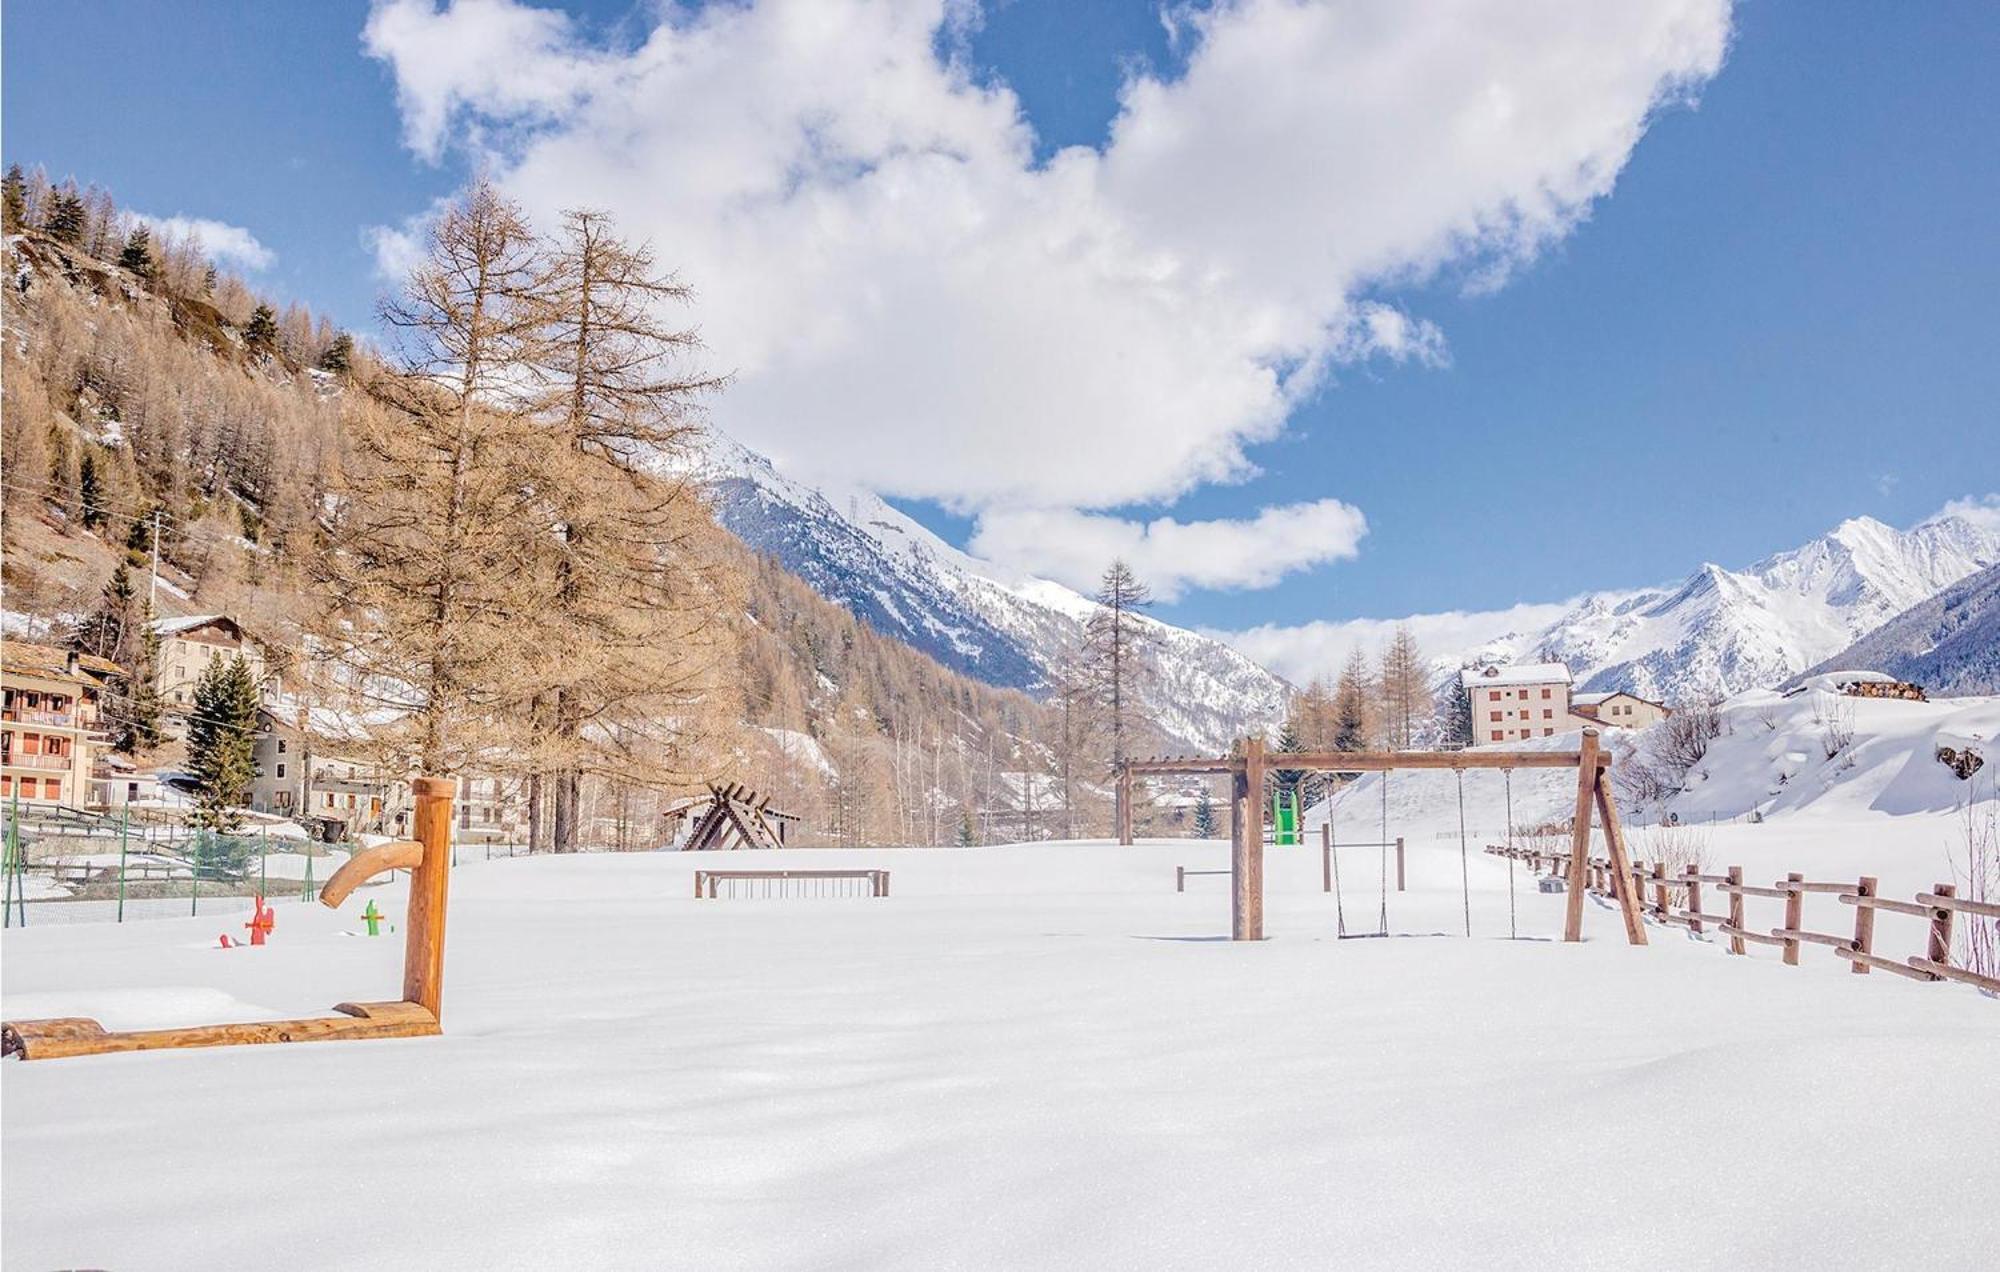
[[339, 356], [90, 490], [138, 253], [968, 835], [260, 335], [105, 632], [67, 219], [220, 741], [137, 701], [1204, 815], [14, 201], [208, 281], [1454, 713]]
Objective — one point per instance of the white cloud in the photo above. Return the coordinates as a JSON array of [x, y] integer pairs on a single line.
[[1303, 651], [1981, 510], [1073, 547], [222, 242], [910, 302]]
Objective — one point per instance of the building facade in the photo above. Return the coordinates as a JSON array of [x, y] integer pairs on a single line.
[[50, 729], [1620, 710], [189, 645], [1512, 704]]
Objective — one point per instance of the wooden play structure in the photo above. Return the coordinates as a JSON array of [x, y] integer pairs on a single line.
[[731, 816], [415, 1014], [1248, 763], [790, 883]]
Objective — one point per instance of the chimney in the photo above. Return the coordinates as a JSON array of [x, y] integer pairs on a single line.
[[74, 664]]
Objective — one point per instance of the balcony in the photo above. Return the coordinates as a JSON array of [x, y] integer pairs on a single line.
[[54, 763], [26, 715]]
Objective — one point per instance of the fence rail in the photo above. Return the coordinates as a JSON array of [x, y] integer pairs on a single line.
[[1677, 900], [714, 884]]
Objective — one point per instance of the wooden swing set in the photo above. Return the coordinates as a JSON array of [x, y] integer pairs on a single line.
[[416, 1014], [1248, 763]]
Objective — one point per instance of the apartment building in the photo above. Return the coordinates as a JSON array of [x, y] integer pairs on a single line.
[[51, 732], [1512, 704], [189, 645]]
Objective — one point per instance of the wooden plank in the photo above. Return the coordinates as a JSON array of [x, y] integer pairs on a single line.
[[1795, 914], [1742, 889], [77, 1036], [1962, 905], [1696, 918], [1372, 761], [366, 864], [1941, 922], [1864, 924], [1693, 880], [1886, 964], [1814, 938], [1794, 883], [1743, 934], [1579, 836], [1991, 984]]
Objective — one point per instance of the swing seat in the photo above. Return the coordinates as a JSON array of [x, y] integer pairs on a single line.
[[1552, 883]]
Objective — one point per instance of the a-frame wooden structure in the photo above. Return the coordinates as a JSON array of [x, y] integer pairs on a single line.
[[737, 817], [1248, 762]]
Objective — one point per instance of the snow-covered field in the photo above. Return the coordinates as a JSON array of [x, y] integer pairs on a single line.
[[1026, 1057]]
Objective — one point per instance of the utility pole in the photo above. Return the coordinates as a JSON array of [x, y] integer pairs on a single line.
[[153, 592]]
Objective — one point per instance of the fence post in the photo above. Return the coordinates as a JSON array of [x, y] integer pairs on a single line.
[[423, 945], [1940, 951], [697, 885], [1660, 890], [1399, 863], [194, 876], [1795, 917], [1864, 924], [1736, 909], [1180, 878], [1326, 855]]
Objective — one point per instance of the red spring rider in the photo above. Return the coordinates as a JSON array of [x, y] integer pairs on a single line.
[[262, 921]]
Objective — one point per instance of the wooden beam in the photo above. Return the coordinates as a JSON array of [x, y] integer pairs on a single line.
[[1249, 877], [1372, 761], [1242, 831], [1621, 865], [423, 926], [1579, 835]]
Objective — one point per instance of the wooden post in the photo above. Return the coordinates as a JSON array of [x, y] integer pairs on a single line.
[[1795, 917], [1247, 861], [1579, 838], [1694, 898], [1180, 878], [1399, 863], [1122, 813], [1326, 857], [1621, 865], [430, 881], [1864, 924], [1660, 891], [1736, 909], [1940, 947]]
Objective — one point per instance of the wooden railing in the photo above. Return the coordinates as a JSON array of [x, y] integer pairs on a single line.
[[1677, 899], [1181, 874], [790, 883]]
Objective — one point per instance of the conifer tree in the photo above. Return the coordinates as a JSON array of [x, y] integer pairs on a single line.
[[14, 201], [1454, 713], [339, 355], [1204, 815], [138, 253], [1115, 638], [208, 281], [138, 696], [106, 630], [968, 834], [260, 334], [221, 739], [90, 490], [67, 219]]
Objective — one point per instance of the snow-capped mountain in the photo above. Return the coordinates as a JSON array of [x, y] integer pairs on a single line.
[[1950, 643], [1724, 631], [970, 615]]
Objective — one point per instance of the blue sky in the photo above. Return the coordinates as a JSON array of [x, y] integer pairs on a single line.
[[1785, 314]]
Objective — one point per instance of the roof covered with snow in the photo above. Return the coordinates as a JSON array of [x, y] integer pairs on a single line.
[[174, 626], [1553, 673]]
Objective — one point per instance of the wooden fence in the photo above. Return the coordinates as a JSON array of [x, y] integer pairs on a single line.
[[1182, 872], [790, 883], [1678, 899]]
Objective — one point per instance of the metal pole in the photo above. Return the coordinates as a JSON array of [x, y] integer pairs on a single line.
[[124, 827], [194, 877]]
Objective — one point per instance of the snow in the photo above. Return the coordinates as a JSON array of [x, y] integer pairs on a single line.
[[1545, 673], [1027, 1056]]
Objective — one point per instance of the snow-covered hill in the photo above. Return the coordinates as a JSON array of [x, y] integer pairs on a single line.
[[1950, 643], [1722, 631], [969, 614]]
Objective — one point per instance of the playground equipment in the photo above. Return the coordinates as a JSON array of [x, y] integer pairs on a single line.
[[373, 918], [790, 883], [263, 921], [416, 1014], [1285, 819], [1247, 763], [1182, 872]]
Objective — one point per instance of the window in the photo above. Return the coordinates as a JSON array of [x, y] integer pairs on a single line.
[[1548, 733], [6, 786], [1496, 716], [1547, 714], [281, 746], [281, 770], [1545, 693], [1493, 695], [1496, 735]]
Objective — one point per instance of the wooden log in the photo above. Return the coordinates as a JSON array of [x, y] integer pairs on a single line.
[[1579, 835], [1963, 905], [1748, 890], [1250, 879], [80, 1036], [1945, 971], [1795, 935], [1707, 878], [1399, 863], [1660, 889], [430, 883], [1693, 880], [1940, 943], [1239, 831], [1886, 903], [1864, 924], [1739, 935], [1697, 919], [1373, 761], [366, 864], [1614, 837], [1794, 883], [1886, 964], [1180, 878], [1795, 916]]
